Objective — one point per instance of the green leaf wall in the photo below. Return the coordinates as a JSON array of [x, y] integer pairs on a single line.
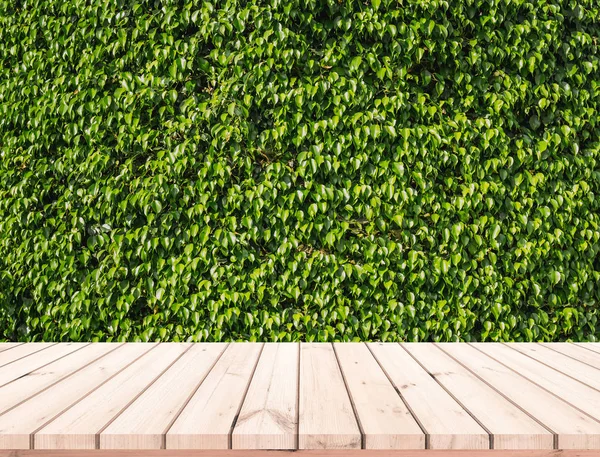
[[299, 170]]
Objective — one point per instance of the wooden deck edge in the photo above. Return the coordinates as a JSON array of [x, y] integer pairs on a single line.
[[301, 453]]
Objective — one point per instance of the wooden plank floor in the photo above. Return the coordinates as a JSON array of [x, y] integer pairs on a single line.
[[461, 399]]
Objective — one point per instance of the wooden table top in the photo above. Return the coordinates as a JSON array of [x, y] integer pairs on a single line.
[[287, 396]]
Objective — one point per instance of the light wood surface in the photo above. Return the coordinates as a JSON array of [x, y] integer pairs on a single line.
[[37, 381], [595, 347], [447, 424], [574, 430], [300, 453], [203, 399], [19, 423], [143, 424], [576, 352], [386, 421], [510, 427], [21, 351], [326, 419], [269, 416], [573, 391], [5, 346], [562, 363], [76, 428], [32, 362], [206, 421]]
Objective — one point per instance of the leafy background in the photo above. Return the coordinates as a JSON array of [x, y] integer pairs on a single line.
[[299, 170]]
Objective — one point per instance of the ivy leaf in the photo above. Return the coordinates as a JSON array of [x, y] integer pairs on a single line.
[[355, 64], [278, 171]]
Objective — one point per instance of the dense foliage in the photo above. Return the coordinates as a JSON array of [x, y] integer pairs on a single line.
[[299, 170]]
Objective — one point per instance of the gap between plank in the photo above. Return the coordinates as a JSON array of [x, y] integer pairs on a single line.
[[61, 379], [567, 355], [541, 387], [363, 438], [163, 444], [553, 368], [297, 438], [410, 410], [301, 453], [490, 434], [587, 348], [235, 418], [27, 355], [97, 436], [554, 434], [12, 347], [45, 365], [32, 435]]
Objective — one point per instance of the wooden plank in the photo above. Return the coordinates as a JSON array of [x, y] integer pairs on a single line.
[[385, 420], [21, 351], [144, 423], [560, 362], [300, 453], [25, 365], [510, 427], [33, 383], [446, 422], [269, 415], [19, 423], [79, 401], [77, 427], [327, 419], [576, 393], [576, 352], [595, 347], [207, 419], [573, 429], [6, 346]]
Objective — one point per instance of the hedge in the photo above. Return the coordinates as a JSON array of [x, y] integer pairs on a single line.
[[299, 170]]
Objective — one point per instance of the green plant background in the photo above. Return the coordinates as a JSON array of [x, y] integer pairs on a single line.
[[299, 170]]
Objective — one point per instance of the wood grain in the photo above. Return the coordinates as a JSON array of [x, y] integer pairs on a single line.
[[595, 347], [207, 420], [6, 346], [144, 423], [510, 426], [327, 419], [301, 453], [269, 416], [576, 393], [562, 363], [32, 362], [573, 429], [76, 428], [19, 423], [265, 399], [37, 381], [447, 424], [576, 352], [385, 420], [21, 351]]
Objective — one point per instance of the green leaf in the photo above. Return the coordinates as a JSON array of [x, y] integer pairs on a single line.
[[156, 206], [496, 231], [355, 63], [280, 171], [159, 293], [390, 130], [204, 234]]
